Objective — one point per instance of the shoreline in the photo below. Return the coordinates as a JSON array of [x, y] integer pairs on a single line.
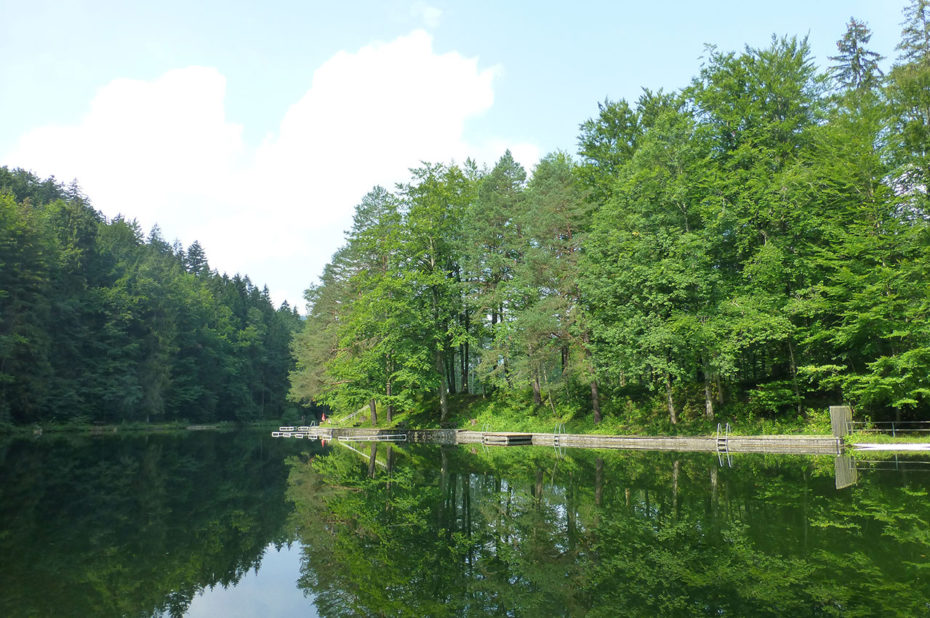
[[799, 444], [38, 429], [789, 444], [732, 443]]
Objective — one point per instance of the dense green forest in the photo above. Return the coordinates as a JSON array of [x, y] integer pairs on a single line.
[[757, 243], [99, 323]]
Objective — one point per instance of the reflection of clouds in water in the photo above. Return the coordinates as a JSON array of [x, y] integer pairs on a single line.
[[272, 591]]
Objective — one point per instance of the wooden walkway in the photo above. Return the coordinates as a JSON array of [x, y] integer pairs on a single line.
[[814, 445], [790, 444]]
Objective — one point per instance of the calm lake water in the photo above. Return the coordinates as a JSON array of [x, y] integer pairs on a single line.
[[240, 524]]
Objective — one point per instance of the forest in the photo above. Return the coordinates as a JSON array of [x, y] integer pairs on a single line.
[[99, 323], [756, 243]]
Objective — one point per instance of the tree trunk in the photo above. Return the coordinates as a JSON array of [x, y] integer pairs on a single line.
[[538, 489], [443, 396], [463, 361], [373, 406], [595, 402], [390, 406], [389, 486], [443, 402], [537, 397], [466, 508], [443, 469], [388, 388], [450, 371], [708, 401], [595, 398], [672, 414], [794, 376], [506, 364], [372, 459], [571, 513], [708, 392]]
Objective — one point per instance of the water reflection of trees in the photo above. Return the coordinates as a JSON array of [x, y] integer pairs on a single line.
[[133, 526], [522, 532]]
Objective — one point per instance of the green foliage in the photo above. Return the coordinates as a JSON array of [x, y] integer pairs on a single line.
[[857, 67], [98, 323], [752, 246]]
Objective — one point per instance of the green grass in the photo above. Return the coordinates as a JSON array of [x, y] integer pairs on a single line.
[[480, 413], [869, 437]]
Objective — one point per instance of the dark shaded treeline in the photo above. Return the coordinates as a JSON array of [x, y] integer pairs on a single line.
[[443, 532], [755, 243], [135, 526], [98, 323]]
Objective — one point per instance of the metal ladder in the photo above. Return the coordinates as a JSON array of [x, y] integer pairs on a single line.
[[723, 446], [557, 434]]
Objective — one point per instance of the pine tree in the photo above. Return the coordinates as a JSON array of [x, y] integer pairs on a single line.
[[908, 92], [915, 35], [195, 261], [856, 67]]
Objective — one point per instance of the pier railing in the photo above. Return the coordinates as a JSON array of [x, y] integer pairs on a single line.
[[889, 427]]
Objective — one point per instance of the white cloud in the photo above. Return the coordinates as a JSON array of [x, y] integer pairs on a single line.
[[367, 118], [145, 147], [163, 151]]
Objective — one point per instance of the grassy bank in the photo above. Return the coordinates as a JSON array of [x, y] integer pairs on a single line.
[[495, 414], [869, 437]]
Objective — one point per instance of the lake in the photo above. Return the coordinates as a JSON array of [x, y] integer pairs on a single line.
[[241, 524]]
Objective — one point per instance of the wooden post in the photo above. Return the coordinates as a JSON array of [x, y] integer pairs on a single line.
[[840, 417]]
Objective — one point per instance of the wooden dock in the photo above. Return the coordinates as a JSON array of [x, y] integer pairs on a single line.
[[801, 444], [789, 444]]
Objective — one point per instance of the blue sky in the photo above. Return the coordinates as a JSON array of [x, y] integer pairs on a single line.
[[256, 129]]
